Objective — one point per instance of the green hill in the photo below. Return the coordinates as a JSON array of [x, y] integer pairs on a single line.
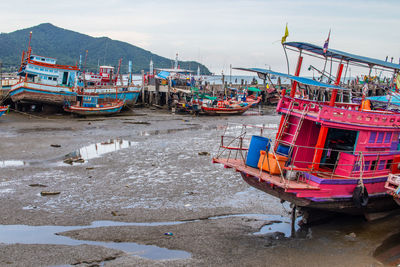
[[66, 46]]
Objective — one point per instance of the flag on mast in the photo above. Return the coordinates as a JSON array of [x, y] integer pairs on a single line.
[[327, 42], [286, 35]]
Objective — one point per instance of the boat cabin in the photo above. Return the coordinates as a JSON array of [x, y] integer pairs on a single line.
[[340, 141], [44, 70]]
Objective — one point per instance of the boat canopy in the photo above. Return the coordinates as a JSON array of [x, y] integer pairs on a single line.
[[302, 80], [163, 74], [208, 97], [254, 89], [393, 99], [180, 71], [342, 55]]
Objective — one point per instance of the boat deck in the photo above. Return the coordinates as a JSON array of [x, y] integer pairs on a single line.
[[277, 180]]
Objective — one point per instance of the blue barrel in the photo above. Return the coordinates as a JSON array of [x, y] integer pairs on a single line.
[[257, 144], [282, 150]]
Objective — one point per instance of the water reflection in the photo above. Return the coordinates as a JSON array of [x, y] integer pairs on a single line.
[[79, 156], [12, 163], [96, 150]]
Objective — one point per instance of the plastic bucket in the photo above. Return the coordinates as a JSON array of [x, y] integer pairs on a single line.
[[257, 144]]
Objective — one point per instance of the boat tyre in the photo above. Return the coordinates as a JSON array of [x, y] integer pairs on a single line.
[[360, 196]]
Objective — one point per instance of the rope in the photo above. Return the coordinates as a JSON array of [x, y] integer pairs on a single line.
[[361, 181], [30, 115]]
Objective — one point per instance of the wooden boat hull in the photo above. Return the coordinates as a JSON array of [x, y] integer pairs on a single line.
[[333, 195], [377, 203], [95, 111], [215, 111], [41, 94], [128, 94], [3, 109]]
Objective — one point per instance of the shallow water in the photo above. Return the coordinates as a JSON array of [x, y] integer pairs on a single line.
[[85, 153], [25, 234]]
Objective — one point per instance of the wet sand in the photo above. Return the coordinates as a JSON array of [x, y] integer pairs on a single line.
[[158, 177]]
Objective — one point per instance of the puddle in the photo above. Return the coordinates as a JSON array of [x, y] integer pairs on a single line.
[[194, 127], [388, 252], [81, 155], [25, 234], [12, 163], [274, 223], [97, 150]]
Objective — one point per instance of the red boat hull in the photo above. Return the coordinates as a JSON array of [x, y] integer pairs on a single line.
[[224, 111]]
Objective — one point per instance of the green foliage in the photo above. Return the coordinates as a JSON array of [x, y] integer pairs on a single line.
[[66, 46]]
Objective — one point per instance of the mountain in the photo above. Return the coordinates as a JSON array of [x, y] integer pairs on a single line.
[[66, 46]]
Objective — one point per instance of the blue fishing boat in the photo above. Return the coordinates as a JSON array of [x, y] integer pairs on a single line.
[[42, 81], [106, 85]]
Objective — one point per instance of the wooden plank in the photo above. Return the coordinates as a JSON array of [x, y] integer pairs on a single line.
[[239, 165]]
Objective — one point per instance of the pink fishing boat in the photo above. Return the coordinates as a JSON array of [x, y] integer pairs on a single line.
[[325, 155]]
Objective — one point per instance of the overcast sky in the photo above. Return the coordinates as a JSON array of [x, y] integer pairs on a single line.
[[218, 33]]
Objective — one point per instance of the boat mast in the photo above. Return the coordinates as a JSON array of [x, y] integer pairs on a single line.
[[116, 79], [298, 68], [29, 46], [323, 132]]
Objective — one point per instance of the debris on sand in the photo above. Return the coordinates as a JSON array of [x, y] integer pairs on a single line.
[[137, 122], [351, 237], [204, 153], [38, 185], [72, 160], [55, 145], [48, 193]]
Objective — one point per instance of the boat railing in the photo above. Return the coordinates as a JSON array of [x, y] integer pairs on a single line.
[[342, 112], [298, 104], [359, 117], [349, 164]]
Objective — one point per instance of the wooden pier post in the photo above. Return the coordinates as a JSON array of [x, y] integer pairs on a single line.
[[143, 93]]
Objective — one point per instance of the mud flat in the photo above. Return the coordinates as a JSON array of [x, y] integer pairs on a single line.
[[138, 189]]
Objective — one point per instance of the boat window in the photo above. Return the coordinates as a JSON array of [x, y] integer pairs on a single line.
[[373, 165], [380, 138], [337, 141], [366, 165], [372, 137], [389, 163], [388, 137], [356, 167], [381, 165]]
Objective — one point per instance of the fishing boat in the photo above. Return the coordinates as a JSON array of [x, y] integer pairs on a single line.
[[325, 155], [3, 109], [224, 108], [42, 81], [106, 85], [89, 105]]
